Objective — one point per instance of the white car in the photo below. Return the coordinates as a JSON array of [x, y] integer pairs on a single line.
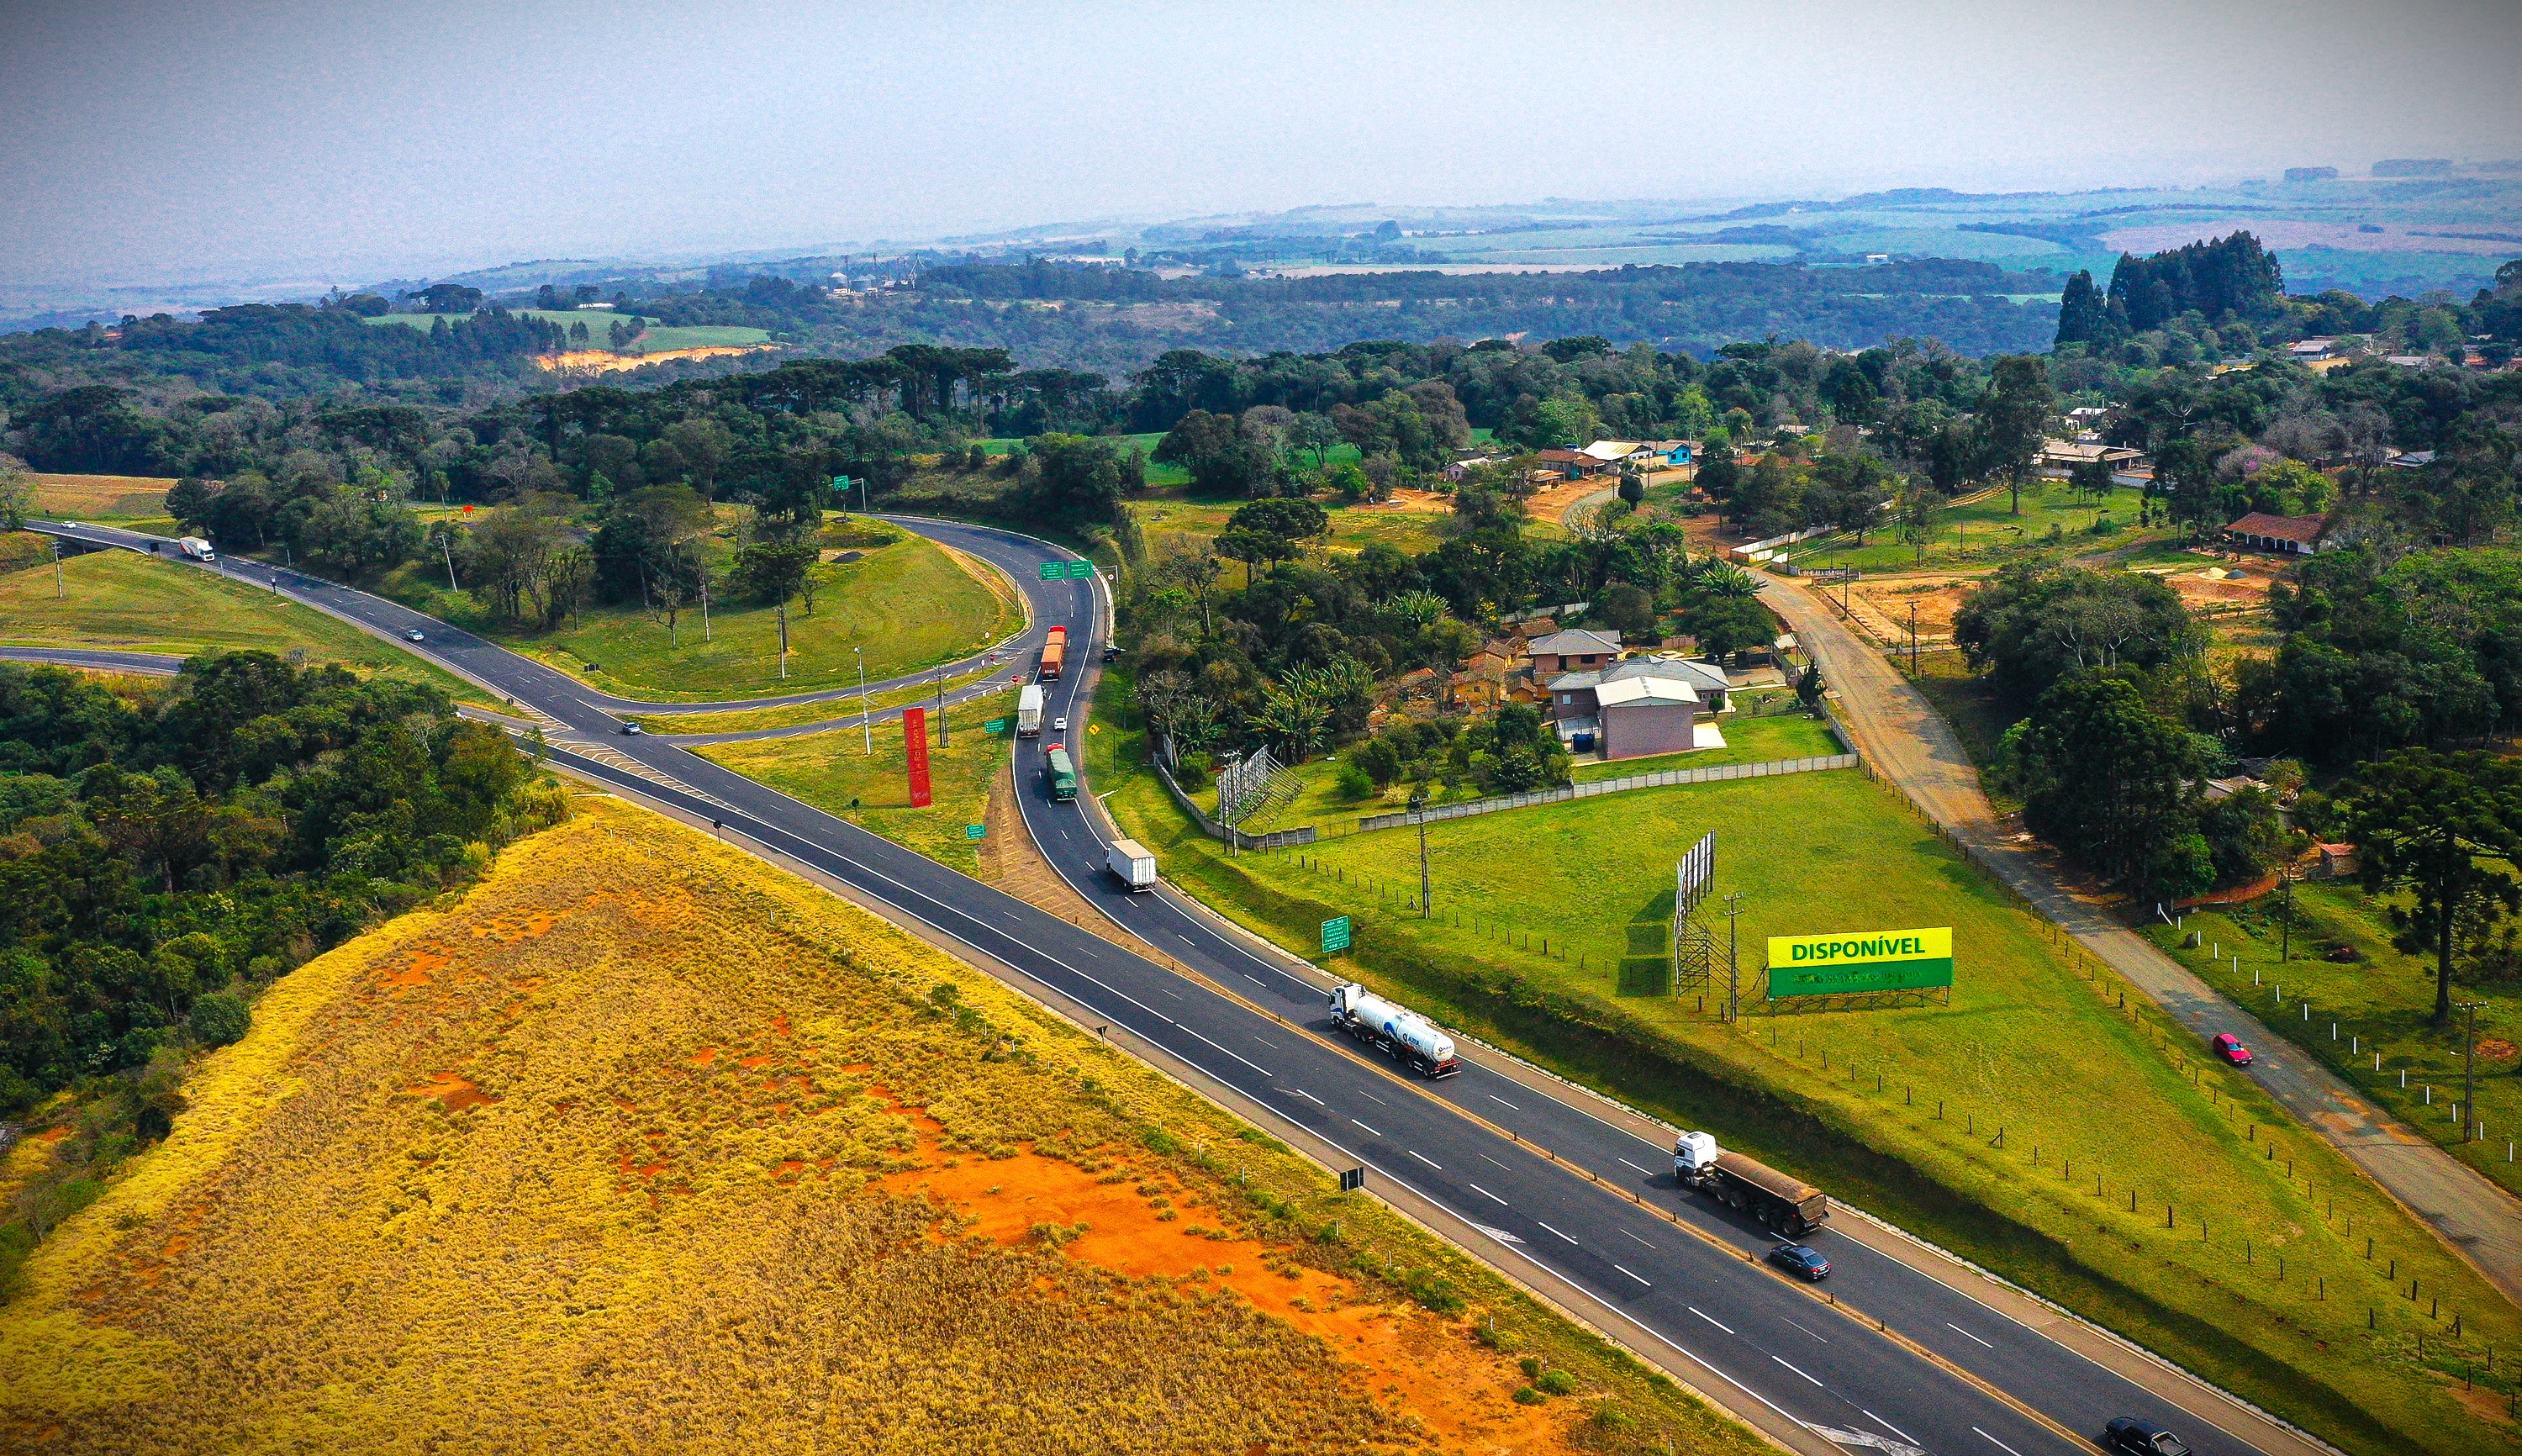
[[1059, 725], [414, 635]]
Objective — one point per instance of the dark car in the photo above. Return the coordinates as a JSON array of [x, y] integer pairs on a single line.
[[1796, 1259], [2141, 1438], [2229, 1047]]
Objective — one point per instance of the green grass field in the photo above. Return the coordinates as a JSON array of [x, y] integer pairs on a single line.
[[834, 772], [1999, 1125], [2380, 1004], [1982, 531], [656, 339], [1173, 523], [122, 601], [908, 604], [749, 720]]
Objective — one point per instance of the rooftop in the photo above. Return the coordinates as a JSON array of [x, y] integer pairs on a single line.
[[2302, 529]]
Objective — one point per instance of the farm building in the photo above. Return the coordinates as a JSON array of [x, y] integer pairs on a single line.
[[2291, 536]]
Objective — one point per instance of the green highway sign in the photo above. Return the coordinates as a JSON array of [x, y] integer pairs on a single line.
[[1849, 964], [1068, 570], [975, 832], [1335, 935], [1052, 571], [1081, 571], [994, 726]]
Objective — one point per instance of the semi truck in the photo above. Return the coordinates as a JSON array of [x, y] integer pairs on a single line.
[[1029, 712], [197, 548], [1132, 864], [1394, 1030], [1060, 774], [1784, 1205], [1053, 652]]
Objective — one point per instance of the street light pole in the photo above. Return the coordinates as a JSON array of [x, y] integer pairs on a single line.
[[2285, 927], [1733, 962], [945, 740], [867, 729], [1418, 812], [2469, 1070]]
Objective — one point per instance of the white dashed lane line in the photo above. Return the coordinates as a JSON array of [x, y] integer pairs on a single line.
[[1886, 1424], [1484, 1158], [1440, 1167], [1992, 1440], [1966, 1335], [1353, 1122], [1650, 1172], [1484, 1192], [1808, 1332], [1309, 1096], [1711, 1319], [1554, 1230], [1633, 1236], [1502, 1102], [1791, 1366], [1650, 1286]]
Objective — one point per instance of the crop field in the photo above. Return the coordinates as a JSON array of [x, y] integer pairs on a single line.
[[642, 1145], [2351, 998], [1995, 1124], [655, 338], [122, 601], [1173, 523], [910, 604], [101, 497], [834, 772]]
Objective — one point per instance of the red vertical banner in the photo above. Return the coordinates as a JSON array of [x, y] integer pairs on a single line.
[[914, 739]]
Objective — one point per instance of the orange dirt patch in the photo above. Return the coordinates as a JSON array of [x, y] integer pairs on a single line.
[[424, 968], [606, 361], [1431, 1366], [2496, 1049], [1549, 504], [1881, 605], [758, 1059], [704, 1056], [1410, 502], [453, 1093]]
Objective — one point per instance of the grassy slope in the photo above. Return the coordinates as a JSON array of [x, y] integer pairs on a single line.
[[642, 1145], [1984, 532], [101, 497], [747, 719], [2383, 1003], [910, 604], [831, 770], [122, 601], [2028, 1044]]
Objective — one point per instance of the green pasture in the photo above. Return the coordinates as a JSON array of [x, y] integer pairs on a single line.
[[1983, 531]]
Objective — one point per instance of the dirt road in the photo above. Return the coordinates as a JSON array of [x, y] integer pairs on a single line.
[[1906, 738]]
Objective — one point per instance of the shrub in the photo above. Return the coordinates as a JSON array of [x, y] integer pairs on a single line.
[[1526, 1395], [220, 1017], [1557, 1383]]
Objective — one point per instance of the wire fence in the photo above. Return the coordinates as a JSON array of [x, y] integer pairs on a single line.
[[1662, 779]]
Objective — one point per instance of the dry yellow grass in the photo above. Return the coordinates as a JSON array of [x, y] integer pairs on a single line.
[[642, 1146], [88, 497]]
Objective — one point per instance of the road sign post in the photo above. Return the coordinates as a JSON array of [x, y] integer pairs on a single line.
[[1352, 1179], [1335, 935]]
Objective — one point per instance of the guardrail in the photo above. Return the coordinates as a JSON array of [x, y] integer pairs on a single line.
[[1661, 779]]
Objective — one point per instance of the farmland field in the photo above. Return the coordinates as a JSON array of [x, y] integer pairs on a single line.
[[1994, 1124], [642, 1145], [119, 600], [101, 497], [654, 339], [1981, 531]]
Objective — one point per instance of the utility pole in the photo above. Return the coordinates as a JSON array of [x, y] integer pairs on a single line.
[[1418, 812], [2285, 927], [867, 729], [944, 738], [447, 551], [1733, 961], [783, 632], [1913, 639], [57, 569], [2469, 1070], [705, 622]]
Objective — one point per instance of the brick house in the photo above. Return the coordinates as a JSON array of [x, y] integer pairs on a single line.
[[1573, 650], [1640, 706], [2287, 536]]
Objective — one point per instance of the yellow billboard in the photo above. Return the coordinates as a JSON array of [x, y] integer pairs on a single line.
[[1846, 964]]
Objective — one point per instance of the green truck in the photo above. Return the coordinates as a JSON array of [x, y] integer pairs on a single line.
[[1061, 772]]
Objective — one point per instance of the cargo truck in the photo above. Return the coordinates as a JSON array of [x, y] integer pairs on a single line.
[[1132, 864], [1052, 653], [1397, 1032], [1784, 1205], [197, 548], [1060, 773], [1029, 712]]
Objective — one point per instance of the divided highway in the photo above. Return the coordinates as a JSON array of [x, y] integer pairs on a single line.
[[1800, 1367]]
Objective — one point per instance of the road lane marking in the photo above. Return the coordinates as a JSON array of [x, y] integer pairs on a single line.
[[1633, 1236], [1355, 1123], [1371, 1097], [1791, 1366], [1309, 1096], [1256, 980], [1184, 939], [1484, 1158], [1554, 1230], [1440, 1167], [1710, 1318], [1808, 1332], [1650, 1172], [1992, 1440], [1886, 1424], [1651, 1285], [1484, 1192], [1964, 1333], [1501, 1102], [1500, 1234]]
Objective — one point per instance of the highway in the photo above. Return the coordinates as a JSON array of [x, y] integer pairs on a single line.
[[1598, 1213]]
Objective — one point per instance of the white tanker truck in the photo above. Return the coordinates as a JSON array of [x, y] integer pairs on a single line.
[[1388, 1029]]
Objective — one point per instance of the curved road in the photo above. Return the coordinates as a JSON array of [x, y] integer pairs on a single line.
[[1595, 1217], [1910, 741]]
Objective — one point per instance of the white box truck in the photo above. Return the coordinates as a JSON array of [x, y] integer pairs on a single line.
[[1133, 866], [1393, 1030], [197, 548], [1029, 712]]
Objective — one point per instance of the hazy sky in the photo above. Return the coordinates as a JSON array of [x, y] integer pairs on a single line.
[[353, 139]]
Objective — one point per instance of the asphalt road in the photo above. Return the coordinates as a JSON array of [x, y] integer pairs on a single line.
[[1587, 1215], [1907, 740]]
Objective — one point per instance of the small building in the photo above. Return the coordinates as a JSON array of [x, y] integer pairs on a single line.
[[1572, 650], [1568, 464], [2287, 536], [2413, 459], [2334, 862], [2059, 458], [1640, 706], [1612, 453], [1463, 467]]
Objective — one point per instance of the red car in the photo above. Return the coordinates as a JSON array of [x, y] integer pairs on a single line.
[[2230, 1047]]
